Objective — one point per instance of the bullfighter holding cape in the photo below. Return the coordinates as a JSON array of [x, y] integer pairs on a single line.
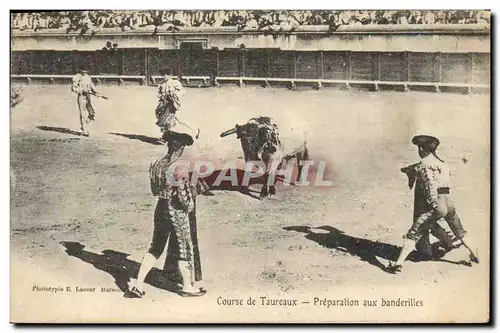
[[432, 180], [169, 91], [175, 215]]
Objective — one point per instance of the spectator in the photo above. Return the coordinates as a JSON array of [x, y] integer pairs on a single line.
[[15, 21], [40, 22], [265, 21], [119, 22], [167, 18], [148, 20], [252, 21], [483, 16], [344, 18], [135, 21], [208, 19], [333, 21], [127, 22], [183, 18], [302, 16], [429, 18], [86, 23], [100, 20], [364, 17], [449, 17], [390, 16], [440, 17], [108, 47], [415, 17], [288, 22], [196, 18], [112, 22], [469, 17], [222, 18], [354, 18], [460, 17], [115, 46], [402, 17]]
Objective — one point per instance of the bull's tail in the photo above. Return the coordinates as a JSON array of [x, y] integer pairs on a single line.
[[302, 152]]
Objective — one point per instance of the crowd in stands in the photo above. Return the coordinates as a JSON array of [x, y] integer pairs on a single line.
[[93, 21]]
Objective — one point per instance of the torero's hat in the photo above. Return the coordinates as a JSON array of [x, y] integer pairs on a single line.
[[420, 140]]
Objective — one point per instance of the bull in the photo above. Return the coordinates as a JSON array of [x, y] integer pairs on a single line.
[[260, 141]]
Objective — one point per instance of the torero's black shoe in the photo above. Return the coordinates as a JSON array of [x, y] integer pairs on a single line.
[[198, 293], [393, 269], [136, 293]]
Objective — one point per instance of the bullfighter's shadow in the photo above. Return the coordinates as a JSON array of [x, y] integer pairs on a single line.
[[243, 188], [365, 249], [122, 269], [60, 130], [140, 137]]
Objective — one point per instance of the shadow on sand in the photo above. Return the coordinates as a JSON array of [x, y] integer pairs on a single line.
[[60, 130], [140, 137], [122, 269], [365, 249], [239, 174]]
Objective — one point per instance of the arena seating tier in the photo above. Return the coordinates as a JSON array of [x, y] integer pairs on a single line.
[[259, 20]]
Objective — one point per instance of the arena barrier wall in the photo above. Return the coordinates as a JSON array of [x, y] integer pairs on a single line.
[[356, 62]]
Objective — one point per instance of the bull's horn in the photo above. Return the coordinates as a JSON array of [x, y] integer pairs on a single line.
[[228, 132]]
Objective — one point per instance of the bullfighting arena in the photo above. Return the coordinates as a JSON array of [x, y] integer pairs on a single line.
[[73, 192]]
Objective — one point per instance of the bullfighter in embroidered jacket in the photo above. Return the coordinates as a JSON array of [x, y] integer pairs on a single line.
[[432, 201]]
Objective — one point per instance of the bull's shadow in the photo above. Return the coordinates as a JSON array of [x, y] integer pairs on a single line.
[[365, 249], [242, 185], [122, 269]]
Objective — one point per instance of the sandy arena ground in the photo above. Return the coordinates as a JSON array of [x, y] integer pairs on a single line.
[[95, 192]]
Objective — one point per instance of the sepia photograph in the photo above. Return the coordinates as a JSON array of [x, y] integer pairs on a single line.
[[250, 166]]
